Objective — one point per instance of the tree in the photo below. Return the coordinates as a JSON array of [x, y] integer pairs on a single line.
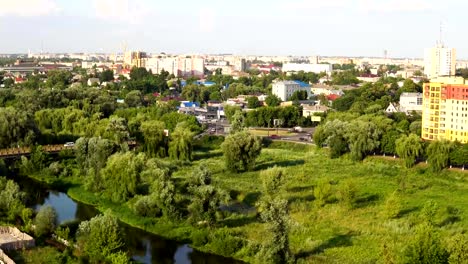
[[106, 76], [273, 100], [362, 138], [58, 78], [117, 130], [276, 249], [459, 155], [16, 128], [11, 199], [425, 247], [121, 176], [100, 237], [180, 146], [387, 144], [272, 180], [155, 141], [253, 102], [205, 199], [240, 150], [45, 221], [237, 122], [192, 93], [162, 190], [134, 99], [409, 148], [299, 95], [438, 153], [139, 73]]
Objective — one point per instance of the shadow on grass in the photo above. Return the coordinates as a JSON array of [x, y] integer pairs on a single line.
[[366, 200], [238, 222], [407, 211], [251, 198], [301, 188], [342, 240], [285, 163], [206, 155], [306, 198]]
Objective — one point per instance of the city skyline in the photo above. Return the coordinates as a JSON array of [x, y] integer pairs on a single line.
[[297, 28]]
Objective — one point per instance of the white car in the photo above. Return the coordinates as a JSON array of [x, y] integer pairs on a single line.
[[69, 144]]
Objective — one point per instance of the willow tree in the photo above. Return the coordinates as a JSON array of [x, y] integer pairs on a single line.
[[362, 138], [240, 150], [121, 176], [409, 148], [180, 146], [154, 138], [438, 153]]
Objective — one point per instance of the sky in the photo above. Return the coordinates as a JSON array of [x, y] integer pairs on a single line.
[[247, 27]]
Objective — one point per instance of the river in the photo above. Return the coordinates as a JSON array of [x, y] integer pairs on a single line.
[[143, 246]]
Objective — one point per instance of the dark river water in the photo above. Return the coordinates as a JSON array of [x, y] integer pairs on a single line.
[[143, 246]]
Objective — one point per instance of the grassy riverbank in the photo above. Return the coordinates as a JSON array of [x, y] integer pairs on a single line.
[[333, 233]]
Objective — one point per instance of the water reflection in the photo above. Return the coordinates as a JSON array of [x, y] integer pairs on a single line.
[[143, 246]]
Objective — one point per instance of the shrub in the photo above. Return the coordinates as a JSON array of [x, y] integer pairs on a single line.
[[200, 237], [425, 247], [458, 248], [225, 243], [347, 193], [392, 207], [45, 221], [322, 192], [145, 206]]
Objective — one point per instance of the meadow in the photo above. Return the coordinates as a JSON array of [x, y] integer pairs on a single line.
[[357, 232]]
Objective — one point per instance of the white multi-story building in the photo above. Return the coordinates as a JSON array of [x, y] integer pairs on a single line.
[[439, 61], [180, 66], [307, 67], [285, 89], [411, 102]]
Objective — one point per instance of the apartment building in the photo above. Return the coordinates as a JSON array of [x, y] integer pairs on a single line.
[[180, 66], [286, 89], [439, 61], [445, 109]]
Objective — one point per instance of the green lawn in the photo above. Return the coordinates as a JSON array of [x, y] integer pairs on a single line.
[[330, 234]]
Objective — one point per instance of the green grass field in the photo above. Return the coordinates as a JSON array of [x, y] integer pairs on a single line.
[[333, 233], [264, 132]]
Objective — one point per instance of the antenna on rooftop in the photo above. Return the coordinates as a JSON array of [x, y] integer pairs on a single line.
[[441, 43]]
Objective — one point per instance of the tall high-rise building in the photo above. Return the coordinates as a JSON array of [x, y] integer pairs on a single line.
[[445, 109], [439, 61], [135, 58]]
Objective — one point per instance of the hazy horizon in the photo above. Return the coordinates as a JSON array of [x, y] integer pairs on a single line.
[[359, 28]]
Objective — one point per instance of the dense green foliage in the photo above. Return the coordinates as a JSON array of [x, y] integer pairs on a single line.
[[241, 149]]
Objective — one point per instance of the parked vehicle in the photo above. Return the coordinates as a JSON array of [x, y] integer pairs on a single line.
[[69, 144]]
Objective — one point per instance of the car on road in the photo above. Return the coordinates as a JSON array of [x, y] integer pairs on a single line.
[[69, 144], [275, 137]]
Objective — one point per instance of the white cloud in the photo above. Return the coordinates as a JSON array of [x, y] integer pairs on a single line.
[[313, 4], [392, 6], [132, 12], [28, 8], [207, 20]]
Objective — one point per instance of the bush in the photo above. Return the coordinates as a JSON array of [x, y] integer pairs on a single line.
[[458, 248], [200, 237], [347, 193], [224, 243], [322, 192], [425, 247], [145, 206], [45, 221], [392, 207]]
